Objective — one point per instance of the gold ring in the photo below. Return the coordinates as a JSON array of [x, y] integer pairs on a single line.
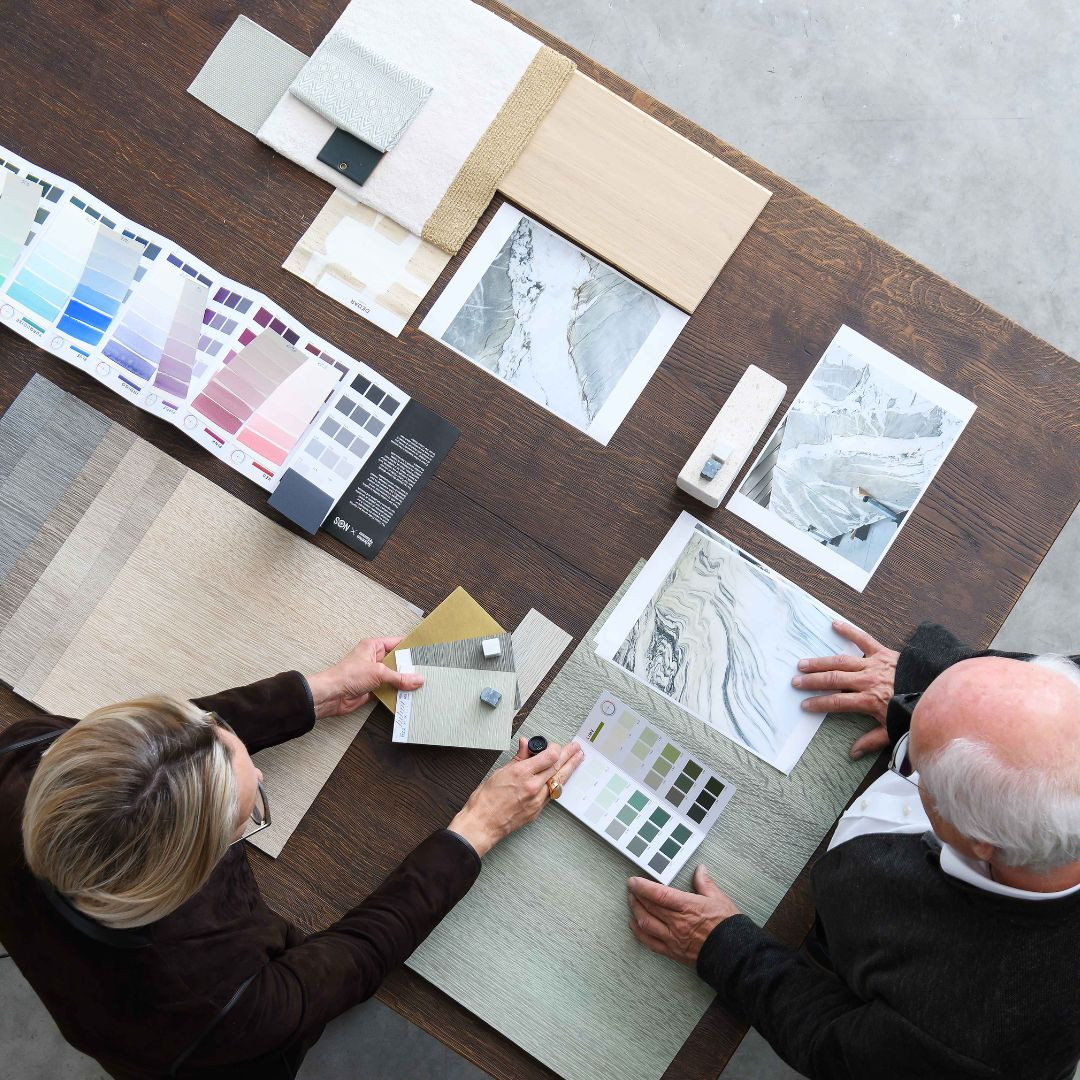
[[554, 787]]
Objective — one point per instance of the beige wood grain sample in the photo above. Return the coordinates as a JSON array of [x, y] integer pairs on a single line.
[[216, 595], [634, 192], [631, 1010], [538, 644]]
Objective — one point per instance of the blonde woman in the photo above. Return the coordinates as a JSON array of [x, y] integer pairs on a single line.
[[128, 903]]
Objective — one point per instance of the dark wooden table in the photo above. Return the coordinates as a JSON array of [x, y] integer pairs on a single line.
[[527, 511]]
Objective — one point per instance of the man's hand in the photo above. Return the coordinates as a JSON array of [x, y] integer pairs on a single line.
[[675, 923], [860, 684], [348, 684]]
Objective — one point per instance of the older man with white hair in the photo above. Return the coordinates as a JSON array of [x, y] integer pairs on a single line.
[[948, 903]]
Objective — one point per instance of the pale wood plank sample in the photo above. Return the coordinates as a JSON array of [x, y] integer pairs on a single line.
[[248, 599], [634, 192], [63, 517], [51, 595], [469, 653], [447, 710], [538, 644], [631, 1010]]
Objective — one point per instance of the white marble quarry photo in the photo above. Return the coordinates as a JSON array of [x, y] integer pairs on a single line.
[[554, 322], [720, 634], [854, 454]]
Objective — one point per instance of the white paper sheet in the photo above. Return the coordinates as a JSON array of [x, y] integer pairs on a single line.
[[845, 467], [718, 632], [555, 323]]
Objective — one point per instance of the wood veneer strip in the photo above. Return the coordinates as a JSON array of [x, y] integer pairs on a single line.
[[634, 192]]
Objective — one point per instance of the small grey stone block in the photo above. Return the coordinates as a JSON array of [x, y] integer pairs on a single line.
[[491, 648], [490, 697], [710, 469]]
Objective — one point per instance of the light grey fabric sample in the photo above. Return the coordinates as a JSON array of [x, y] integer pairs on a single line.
[[64, 517], [469, 653], [68, 590], [538, 643], [447, 710], [247, 74], [632, 1010], [24, 418], [39, 478], [360, 91]]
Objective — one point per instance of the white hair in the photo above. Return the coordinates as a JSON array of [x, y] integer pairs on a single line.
[[1030, 816]]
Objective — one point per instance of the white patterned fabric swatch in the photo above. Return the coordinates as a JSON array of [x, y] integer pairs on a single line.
[[360, 91]]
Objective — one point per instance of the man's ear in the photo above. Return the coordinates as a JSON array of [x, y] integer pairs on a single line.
[[982, 851]]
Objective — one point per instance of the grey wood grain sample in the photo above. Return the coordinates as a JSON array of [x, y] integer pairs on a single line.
[[447, 710], [63, 517], [240, 598], [84, 566], [469, 653], [631, 1010], [37, 479], [538, 644], [24, 418]]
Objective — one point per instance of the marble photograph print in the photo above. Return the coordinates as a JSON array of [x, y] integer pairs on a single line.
[[720, 634], [555, 323], [854, 454]]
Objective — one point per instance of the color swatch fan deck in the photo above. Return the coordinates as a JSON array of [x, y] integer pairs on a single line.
[[239, 375], [641, 791]]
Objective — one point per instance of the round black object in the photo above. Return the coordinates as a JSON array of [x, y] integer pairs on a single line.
[[537, 744]]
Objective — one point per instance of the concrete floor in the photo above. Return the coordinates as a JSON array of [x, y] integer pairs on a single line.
[[947, 129]]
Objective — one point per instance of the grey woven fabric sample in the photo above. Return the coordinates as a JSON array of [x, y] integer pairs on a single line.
[[247, 74], [469, 653], [538, 643], [360, 91], [447, 710], [39, 478], [632, 1010], [71, 585], [64, 516], [24, 418]]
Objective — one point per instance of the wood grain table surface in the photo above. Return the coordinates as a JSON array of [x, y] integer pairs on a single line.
[[527, 512]]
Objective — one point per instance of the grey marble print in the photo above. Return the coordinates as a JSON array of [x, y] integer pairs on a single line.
[[721, 636], [555, 323], [855, 452]]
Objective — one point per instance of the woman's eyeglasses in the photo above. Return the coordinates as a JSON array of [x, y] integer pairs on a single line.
[[260, 813]]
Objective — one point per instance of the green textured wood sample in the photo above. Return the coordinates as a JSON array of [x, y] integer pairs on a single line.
[[540, 948]]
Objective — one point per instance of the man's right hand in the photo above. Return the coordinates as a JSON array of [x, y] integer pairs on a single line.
[[859, 684]]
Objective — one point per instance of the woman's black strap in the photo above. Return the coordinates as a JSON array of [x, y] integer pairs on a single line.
[[224, 1011], [44, 737]]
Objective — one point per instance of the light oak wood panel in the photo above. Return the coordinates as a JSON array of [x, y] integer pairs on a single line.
[[634, 192]]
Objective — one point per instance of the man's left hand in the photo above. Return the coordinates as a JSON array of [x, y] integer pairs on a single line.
[[676, 923]]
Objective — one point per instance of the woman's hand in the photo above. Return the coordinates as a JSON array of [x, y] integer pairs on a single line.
[[348, 684], [860, 684], [514, 795]]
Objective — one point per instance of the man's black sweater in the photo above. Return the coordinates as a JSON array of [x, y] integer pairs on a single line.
[[930, 976]]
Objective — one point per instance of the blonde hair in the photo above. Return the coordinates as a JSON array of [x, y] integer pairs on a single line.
[[130, 810]]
